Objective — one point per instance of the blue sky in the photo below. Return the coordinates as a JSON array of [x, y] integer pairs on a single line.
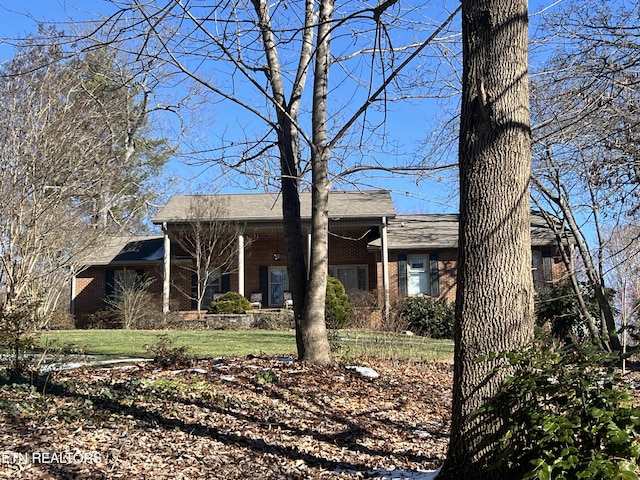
[[406, 124]]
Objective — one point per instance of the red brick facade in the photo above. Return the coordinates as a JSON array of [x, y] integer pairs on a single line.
[[349, 248]]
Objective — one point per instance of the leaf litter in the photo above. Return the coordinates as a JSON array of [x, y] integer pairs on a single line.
[[231, 418]]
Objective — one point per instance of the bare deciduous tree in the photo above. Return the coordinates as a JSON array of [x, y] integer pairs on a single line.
[[258, 57], [585, 108], [210, 242], [63, 167]]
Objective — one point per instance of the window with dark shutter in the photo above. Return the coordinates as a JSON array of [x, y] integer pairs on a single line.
[[434, 275], [402, 275]]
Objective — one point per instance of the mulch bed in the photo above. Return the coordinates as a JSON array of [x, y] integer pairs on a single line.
[[236, 418]]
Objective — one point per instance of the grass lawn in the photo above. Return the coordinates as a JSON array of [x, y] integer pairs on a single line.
[[201, 343], [349, 344]]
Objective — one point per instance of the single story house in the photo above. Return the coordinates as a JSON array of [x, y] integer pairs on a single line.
[[371, 248]]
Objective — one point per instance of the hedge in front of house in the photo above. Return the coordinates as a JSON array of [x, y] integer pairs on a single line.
[[426, 316]]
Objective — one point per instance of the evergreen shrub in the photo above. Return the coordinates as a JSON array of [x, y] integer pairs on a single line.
[[566, 415], [230, 302], [426, 316], [338, 310]]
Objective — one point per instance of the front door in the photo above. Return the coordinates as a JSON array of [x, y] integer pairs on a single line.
[[278, 283]]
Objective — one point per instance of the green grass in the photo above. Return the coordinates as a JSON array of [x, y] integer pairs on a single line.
[[201, 343], [351, 344], [354, 344]]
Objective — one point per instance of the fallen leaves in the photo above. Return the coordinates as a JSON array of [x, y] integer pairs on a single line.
[[230, 418]]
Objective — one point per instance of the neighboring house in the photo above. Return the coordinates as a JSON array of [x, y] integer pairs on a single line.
[[371, 248]]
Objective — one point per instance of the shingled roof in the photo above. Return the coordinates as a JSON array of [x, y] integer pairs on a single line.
[[246, 207], [128, 250], [431, 231]]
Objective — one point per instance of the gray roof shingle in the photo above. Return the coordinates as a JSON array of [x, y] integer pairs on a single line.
[[429, 231], [268, 206]]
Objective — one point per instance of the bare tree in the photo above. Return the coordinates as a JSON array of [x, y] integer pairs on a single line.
[[585, 108], [623, 271], [61, 131], [131, 300], [258, 58], [494, 301], [210, 242]]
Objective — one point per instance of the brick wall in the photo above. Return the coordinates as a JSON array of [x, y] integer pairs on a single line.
[[90, 289], [447, 267]]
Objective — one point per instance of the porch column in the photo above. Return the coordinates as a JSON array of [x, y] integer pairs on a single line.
[[385, 268], [166, 270], [241, 260]]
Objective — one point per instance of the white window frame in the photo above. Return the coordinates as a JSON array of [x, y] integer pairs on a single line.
[[420, 273]]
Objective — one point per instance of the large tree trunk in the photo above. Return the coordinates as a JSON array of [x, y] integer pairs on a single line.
[[494, 303]]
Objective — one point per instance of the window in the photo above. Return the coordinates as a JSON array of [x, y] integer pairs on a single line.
[[212, 284], [419, 275], [542, 266], [118, 282], [353, 277], [278, 283]]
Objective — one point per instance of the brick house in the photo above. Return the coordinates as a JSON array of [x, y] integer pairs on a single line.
[[371, 248]]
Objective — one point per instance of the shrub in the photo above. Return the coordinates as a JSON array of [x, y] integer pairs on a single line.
[[338, 311], [566, 415], [132, 304], [167, 355], [426, 316], [230, 302], [559, 309], [18, 335], [366, 311]]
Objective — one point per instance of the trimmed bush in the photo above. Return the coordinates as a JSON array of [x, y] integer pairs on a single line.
[[230, 302], [338, 311], [426, 316]]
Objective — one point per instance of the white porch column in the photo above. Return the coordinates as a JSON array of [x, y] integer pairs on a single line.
[[241, 261], [166, 270], [385, 268]]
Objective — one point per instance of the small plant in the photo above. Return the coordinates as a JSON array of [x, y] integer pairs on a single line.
[[18, 334], [338, 311], [167, 355], [229, 303], [566, 415], [426, 316], [267, 376], [131, 307]]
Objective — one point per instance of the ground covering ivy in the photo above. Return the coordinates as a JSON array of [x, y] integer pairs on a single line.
[[567, 415]]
